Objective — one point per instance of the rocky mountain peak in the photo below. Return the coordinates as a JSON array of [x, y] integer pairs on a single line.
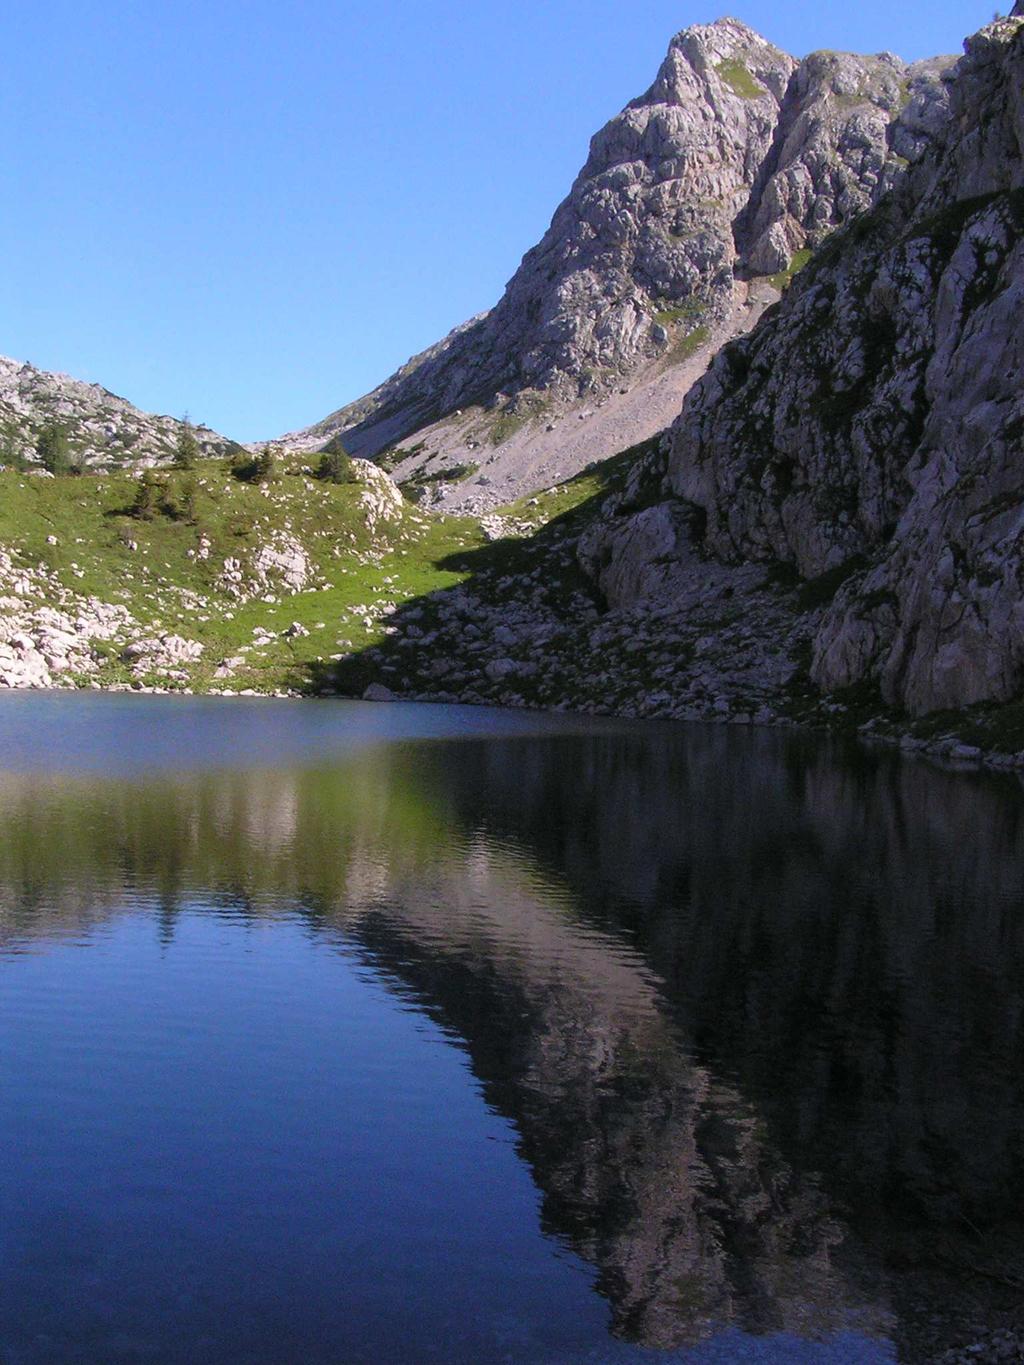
[[866, 435], [695, 203], [704, 60], [849, 126]]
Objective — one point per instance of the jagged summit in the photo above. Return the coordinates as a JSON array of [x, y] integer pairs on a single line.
[[693, 205], [644, 229], [867, 434]]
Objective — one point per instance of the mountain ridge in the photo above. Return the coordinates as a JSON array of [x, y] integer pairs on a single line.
[[693, 208], [102, 428], [733, 165]]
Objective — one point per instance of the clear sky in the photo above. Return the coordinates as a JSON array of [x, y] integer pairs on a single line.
[[254, 210]]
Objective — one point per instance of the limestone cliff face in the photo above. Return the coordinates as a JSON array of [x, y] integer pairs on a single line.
[[847, 129], [647, 225], [872, 423], [101, 427], [736, 159]]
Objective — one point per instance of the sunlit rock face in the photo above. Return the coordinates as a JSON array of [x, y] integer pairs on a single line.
[[737, 159], [848, 129], [646, 225], [874, 419]]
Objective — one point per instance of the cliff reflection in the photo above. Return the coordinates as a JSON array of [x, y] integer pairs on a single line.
[[748, 1002]]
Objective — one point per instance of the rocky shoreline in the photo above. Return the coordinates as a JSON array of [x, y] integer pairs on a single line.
[[532, 627]]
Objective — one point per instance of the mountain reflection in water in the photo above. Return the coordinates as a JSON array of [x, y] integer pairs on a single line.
[[752, 1004]]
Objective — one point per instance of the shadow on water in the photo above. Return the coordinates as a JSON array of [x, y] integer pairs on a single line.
[[753, 1003]]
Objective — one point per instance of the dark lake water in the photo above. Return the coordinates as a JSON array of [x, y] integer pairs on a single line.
[[333, 1032]]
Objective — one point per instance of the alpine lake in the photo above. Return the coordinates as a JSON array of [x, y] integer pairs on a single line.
[[338, 1032]]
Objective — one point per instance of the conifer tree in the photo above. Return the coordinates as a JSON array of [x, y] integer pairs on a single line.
[[266, 465], [335, 463], [148, 496], [53, 449], [187, 450]]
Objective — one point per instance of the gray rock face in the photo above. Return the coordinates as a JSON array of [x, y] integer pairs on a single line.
[[847, 129], [871, 425], [161, 652], [381, 499], [647, 225], [101, 428], [733, 161], [43, 645]]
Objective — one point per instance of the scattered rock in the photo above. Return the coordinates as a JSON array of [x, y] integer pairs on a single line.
[[378, 692], [160, 652], [101, 425]]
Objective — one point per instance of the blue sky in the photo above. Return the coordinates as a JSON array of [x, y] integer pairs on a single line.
[[255, 211]]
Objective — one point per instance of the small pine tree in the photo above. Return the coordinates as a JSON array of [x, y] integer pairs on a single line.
[[336, 464], [148, 496], [241, 466], [53, 449], [179, 502], [187, 450], [265, 466], [261, 468]]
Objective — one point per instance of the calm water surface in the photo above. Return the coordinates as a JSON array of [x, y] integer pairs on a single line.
[[333, 1032]]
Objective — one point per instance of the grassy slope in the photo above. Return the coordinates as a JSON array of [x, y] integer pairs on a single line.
[[167, 587]]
